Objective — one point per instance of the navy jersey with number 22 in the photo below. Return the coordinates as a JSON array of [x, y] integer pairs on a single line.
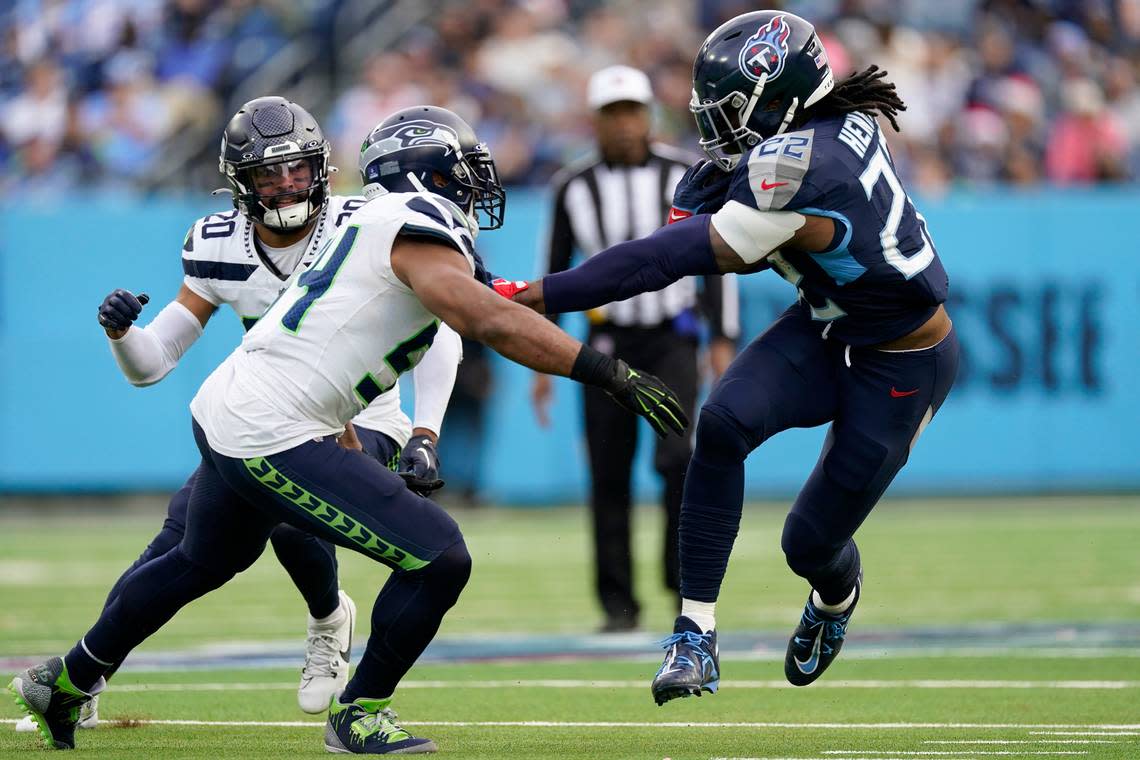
[[883, 278]]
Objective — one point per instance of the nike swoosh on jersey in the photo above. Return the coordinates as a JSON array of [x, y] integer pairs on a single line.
[[766, 185], [902, 394], [808, 666], [676, 215]]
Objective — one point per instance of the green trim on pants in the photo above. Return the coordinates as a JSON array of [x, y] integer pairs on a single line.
[[366, 540]]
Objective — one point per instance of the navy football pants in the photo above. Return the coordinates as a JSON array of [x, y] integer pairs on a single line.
[[344, 497], [877, 403], [309, 561]]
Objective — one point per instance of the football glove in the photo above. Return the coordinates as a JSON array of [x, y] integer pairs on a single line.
[[646, 396], [702, 190], [508, 288], [121, 308], [419, 465]]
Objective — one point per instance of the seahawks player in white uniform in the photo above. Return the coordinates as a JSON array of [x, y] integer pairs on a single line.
[[276, 162], [340, 335]]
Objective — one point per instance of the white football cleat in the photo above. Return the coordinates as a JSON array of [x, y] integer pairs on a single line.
[[88, 718], [327, 651]]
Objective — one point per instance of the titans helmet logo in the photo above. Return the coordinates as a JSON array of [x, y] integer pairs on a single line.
[[766, 51]]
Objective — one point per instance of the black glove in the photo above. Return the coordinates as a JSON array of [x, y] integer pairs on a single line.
[[419, 465], [121, 308], [703, 189], [645, 395]]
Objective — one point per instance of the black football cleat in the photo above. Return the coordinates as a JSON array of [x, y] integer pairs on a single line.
[[692, 663], [45, 692], [817, 641]]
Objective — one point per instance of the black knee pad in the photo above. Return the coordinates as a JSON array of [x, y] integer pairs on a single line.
[[805, 548], [720, 440], [827, 563]]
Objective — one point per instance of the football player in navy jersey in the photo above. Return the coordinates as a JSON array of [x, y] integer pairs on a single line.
[[798, 179]]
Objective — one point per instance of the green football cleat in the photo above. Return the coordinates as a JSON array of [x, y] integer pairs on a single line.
[[368, 727], [45, 692]]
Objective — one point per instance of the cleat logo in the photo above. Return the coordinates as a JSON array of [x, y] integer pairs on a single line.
[[808, 666]]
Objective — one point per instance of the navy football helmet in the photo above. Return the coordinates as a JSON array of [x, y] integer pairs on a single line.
[[427, 148], [276, 160], [749, 78]]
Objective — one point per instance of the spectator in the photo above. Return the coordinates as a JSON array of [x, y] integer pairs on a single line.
[[126, 123], [387, 84], [1087, 143]]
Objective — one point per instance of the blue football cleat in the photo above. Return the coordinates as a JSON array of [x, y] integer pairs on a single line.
[[691, 664], [817, 641]]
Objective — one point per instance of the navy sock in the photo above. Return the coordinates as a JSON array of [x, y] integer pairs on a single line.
[[710, 520], [83, 669], [835, 580], [311, 564], [405, 619]]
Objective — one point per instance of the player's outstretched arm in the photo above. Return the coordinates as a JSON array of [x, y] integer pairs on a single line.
[[145, 355], [735, 239], [443, 282]]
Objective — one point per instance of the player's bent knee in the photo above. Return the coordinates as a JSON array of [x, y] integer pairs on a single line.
[[452, 568], [720, 439], [806, 550]]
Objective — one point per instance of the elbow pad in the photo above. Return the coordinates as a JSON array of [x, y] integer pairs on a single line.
[[754, 234]]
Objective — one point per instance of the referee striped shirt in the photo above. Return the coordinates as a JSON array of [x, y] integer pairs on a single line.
[[598, 204]]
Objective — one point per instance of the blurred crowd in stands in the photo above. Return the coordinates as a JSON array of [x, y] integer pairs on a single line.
[[120, 93]]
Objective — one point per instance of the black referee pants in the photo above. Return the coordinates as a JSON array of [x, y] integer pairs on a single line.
[[611, 435]]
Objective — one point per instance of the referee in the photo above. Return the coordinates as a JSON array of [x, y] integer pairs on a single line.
[[622, 193]]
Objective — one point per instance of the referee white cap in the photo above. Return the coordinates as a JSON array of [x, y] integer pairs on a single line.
[[617, 83]]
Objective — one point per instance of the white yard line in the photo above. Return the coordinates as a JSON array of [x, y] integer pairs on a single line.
[[1086, 733], [958, 753], [648, 724], [556, 683], [1019, 741]]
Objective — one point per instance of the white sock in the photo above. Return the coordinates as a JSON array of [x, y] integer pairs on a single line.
[[701, 613], [832, 609], [334, 617]]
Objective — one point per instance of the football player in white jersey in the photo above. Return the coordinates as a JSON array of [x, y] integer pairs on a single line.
[[275, 159], [340, 335]]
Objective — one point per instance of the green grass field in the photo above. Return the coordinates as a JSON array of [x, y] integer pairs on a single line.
[[988, 628]]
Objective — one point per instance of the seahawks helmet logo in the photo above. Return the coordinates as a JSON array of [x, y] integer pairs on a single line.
[[412, 134], [766, 51]]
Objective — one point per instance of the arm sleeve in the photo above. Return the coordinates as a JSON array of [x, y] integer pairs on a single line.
[[720, 303], [636, 266], [560, 241], [434, 377], [145, 355]]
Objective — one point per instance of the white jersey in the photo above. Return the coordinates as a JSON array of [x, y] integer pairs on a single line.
[[224, 265], [338, 337]]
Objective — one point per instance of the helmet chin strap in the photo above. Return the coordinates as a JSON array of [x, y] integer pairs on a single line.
[[788, 116]]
